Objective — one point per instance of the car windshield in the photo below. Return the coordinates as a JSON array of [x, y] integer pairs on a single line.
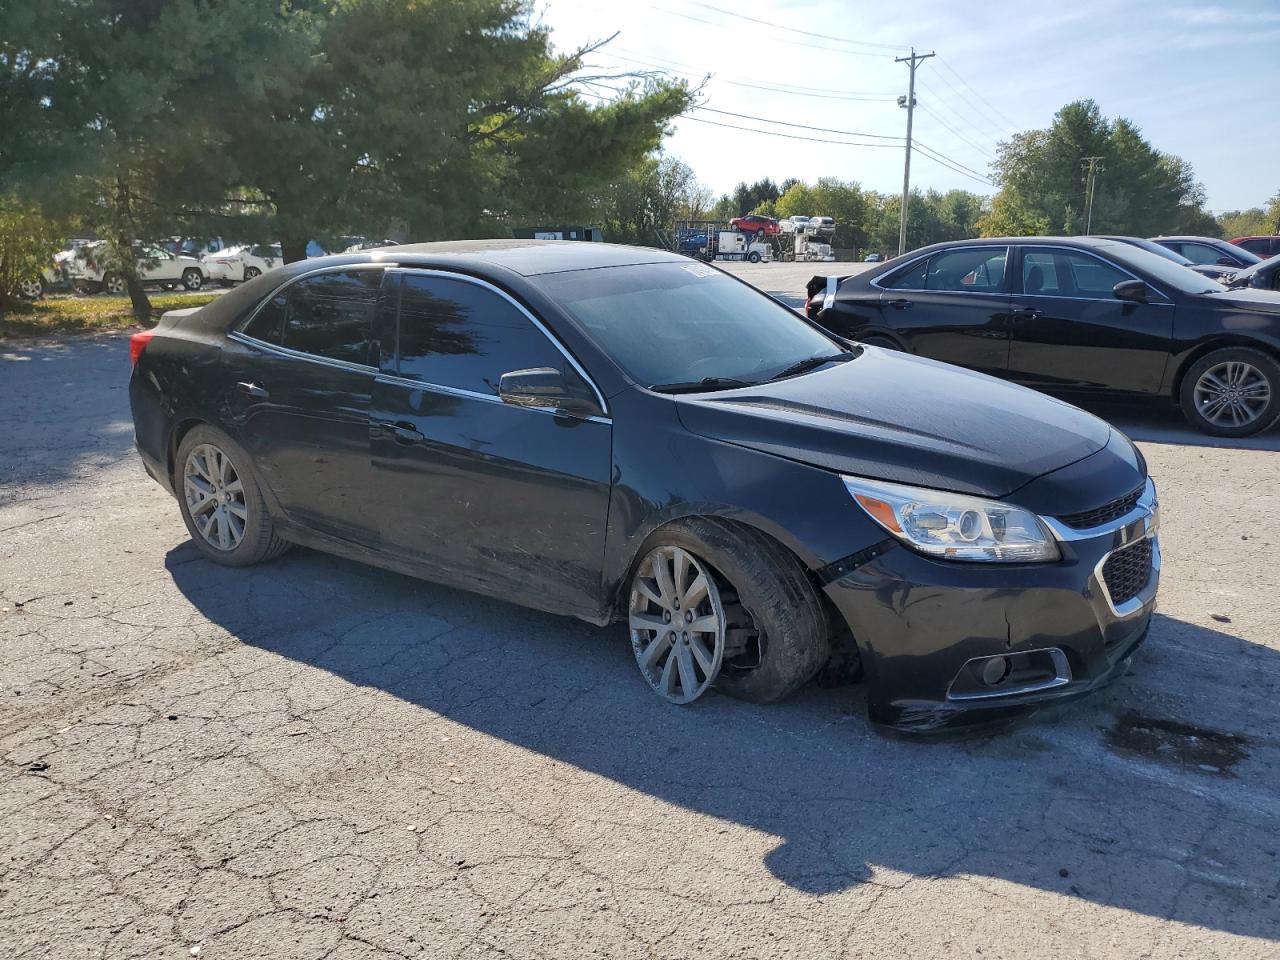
[[682, 323], [1161, 270]]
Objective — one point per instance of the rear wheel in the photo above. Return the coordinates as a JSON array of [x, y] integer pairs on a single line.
[[221, 501], [717, 602], [1232, 392], [114, 284], [251, 272], [192, 279], [30, 289]]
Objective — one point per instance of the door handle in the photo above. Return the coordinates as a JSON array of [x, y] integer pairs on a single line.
[[253, 390], [1027, 313], [901, 304], [402, 432]]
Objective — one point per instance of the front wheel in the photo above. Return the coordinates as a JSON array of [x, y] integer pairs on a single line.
[[114, 284], [192, 279], [250, 273], [753, 257], [1232, 392], [30, 289], [716, 602], [221, 502]]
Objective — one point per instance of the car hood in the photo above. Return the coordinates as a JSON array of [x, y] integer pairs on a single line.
[[895, 417], [1251, 299]]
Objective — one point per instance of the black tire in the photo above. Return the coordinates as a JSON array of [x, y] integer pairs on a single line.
[[1266, 367], [753, 257], [114, 280], [192, 278], [760, 234], [879, 341], [250, 273], [777, 627], [260, 541]]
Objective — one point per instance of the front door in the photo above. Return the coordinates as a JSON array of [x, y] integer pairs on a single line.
[[954, 307], [1070, 332], [304, 382], [507, 499]]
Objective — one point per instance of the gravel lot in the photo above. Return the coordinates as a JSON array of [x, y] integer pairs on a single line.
[[317, 759]]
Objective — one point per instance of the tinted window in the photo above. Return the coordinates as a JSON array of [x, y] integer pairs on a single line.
[[912, 278], [680, 323], [1200, 252], [267, 324], [968, 270], [458, 334], [331, 314], [1039, 272], [1258, 246]]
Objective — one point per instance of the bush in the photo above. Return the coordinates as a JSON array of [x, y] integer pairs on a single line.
[[28, 241]]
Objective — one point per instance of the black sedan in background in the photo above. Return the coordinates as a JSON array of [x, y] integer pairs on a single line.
[[621, 434], [1214, 271], [1209, 250], [1074, 315]]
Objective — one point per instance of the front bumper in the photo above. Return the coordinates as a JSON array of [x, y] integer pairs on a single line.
[[926, 629]]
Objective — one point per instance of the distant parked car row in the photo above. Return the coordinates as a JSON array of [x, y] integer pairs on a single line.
[[761, 226]]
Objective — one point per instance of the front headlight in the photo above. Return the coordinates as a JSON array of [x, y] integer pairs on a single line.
[[952, 526]]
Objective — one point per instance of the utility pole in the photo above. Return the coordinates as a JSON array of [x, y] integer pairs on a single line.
[[1091, 182], [909, 101]]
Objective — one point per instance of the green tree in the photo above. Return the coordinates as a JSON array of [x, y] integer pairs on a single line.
[[642, 205], [28, 241], [1139, 190]]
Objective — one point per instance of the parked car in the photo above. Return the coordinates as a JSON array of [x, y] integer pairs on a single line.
[[194, 246], [824, 226], [873, 258], [1076, 315], [1211, 270], [691, 243], [243, 262], [1262, 247], [90, 270], [756, 223], [1209, 250], [792, 224], [1261, 276], [979, 547]]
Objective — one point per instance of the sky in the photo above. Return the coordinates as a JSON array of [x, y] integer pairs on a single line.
[[1199, 79]]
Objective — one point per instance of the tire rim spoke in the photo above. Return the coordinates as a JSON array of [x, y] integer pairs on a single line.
[[677, 624], [214, 497], [1233, 393]]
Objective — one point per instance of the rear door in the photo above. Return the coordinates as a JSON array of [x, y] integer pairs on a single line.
[[1070, 332], [511, 498], [304, 373], [953, 306]]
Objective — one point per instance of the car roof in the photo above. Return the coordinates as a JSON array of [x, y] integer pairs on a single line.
[[1100, 242], [1190, 237], [525, 257]]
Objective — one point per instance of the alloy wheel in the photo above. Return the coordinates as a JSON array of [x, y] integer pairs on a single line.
[[30, 289], [215, 497], [677, 624], [1232, 394], [115, 284]]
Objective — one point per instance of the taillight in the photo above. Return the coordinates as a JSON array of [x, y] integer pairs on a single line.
[[137, 343]]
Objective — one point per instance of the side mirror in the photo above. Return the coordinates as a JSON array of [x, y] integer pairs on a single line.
[[547, 387], [1135, 291]]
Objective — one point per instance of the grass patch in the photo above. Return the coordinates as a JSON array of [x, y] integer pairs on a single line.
[[85, 314]]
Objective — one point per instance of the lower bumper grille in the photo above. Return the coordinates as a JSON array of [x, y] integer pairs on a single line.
[[1127, 571]]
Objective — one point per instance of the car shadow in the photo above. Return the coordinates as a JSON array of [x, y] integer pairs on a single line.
[[1146, 797]]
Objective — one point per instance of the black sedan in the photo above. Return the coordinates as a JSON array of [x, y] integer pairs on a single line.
[[1215, 271], [1209, 250], [1076, 315], [621, 434]]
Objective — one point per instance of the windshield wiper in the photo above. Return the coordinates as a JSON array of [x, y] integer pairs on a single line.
[[699, 386], [810, 363]]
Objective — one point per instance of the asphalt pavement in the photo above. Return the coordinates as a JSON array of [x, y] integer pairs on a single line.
[[317, 759]]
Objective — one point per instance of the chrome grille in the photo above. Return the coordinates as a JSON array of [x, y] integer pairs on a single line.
[[1127, 571], [1096, 517]]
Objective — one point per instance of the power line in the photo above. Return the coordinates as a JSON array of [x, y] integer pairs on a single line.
[[795, 43], [977, 173], [797, 91], [792, 136], [982, 150], [976, 115], [947, 64], [807, 33], [925, 152], [799, 126]]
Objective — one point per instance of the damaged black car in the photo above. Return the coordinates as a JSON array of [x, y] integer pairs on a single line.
[[624, 435]]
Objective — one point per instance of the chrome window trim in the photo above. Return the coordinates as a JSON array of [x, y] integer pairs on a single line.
[[290, 354], [285, 284], [388, 379], [1008, 248], [538, 324], [1101, 259]]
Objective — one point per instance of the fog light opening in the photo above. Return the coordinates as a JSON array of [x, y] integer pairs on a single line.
[[995, 670]]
